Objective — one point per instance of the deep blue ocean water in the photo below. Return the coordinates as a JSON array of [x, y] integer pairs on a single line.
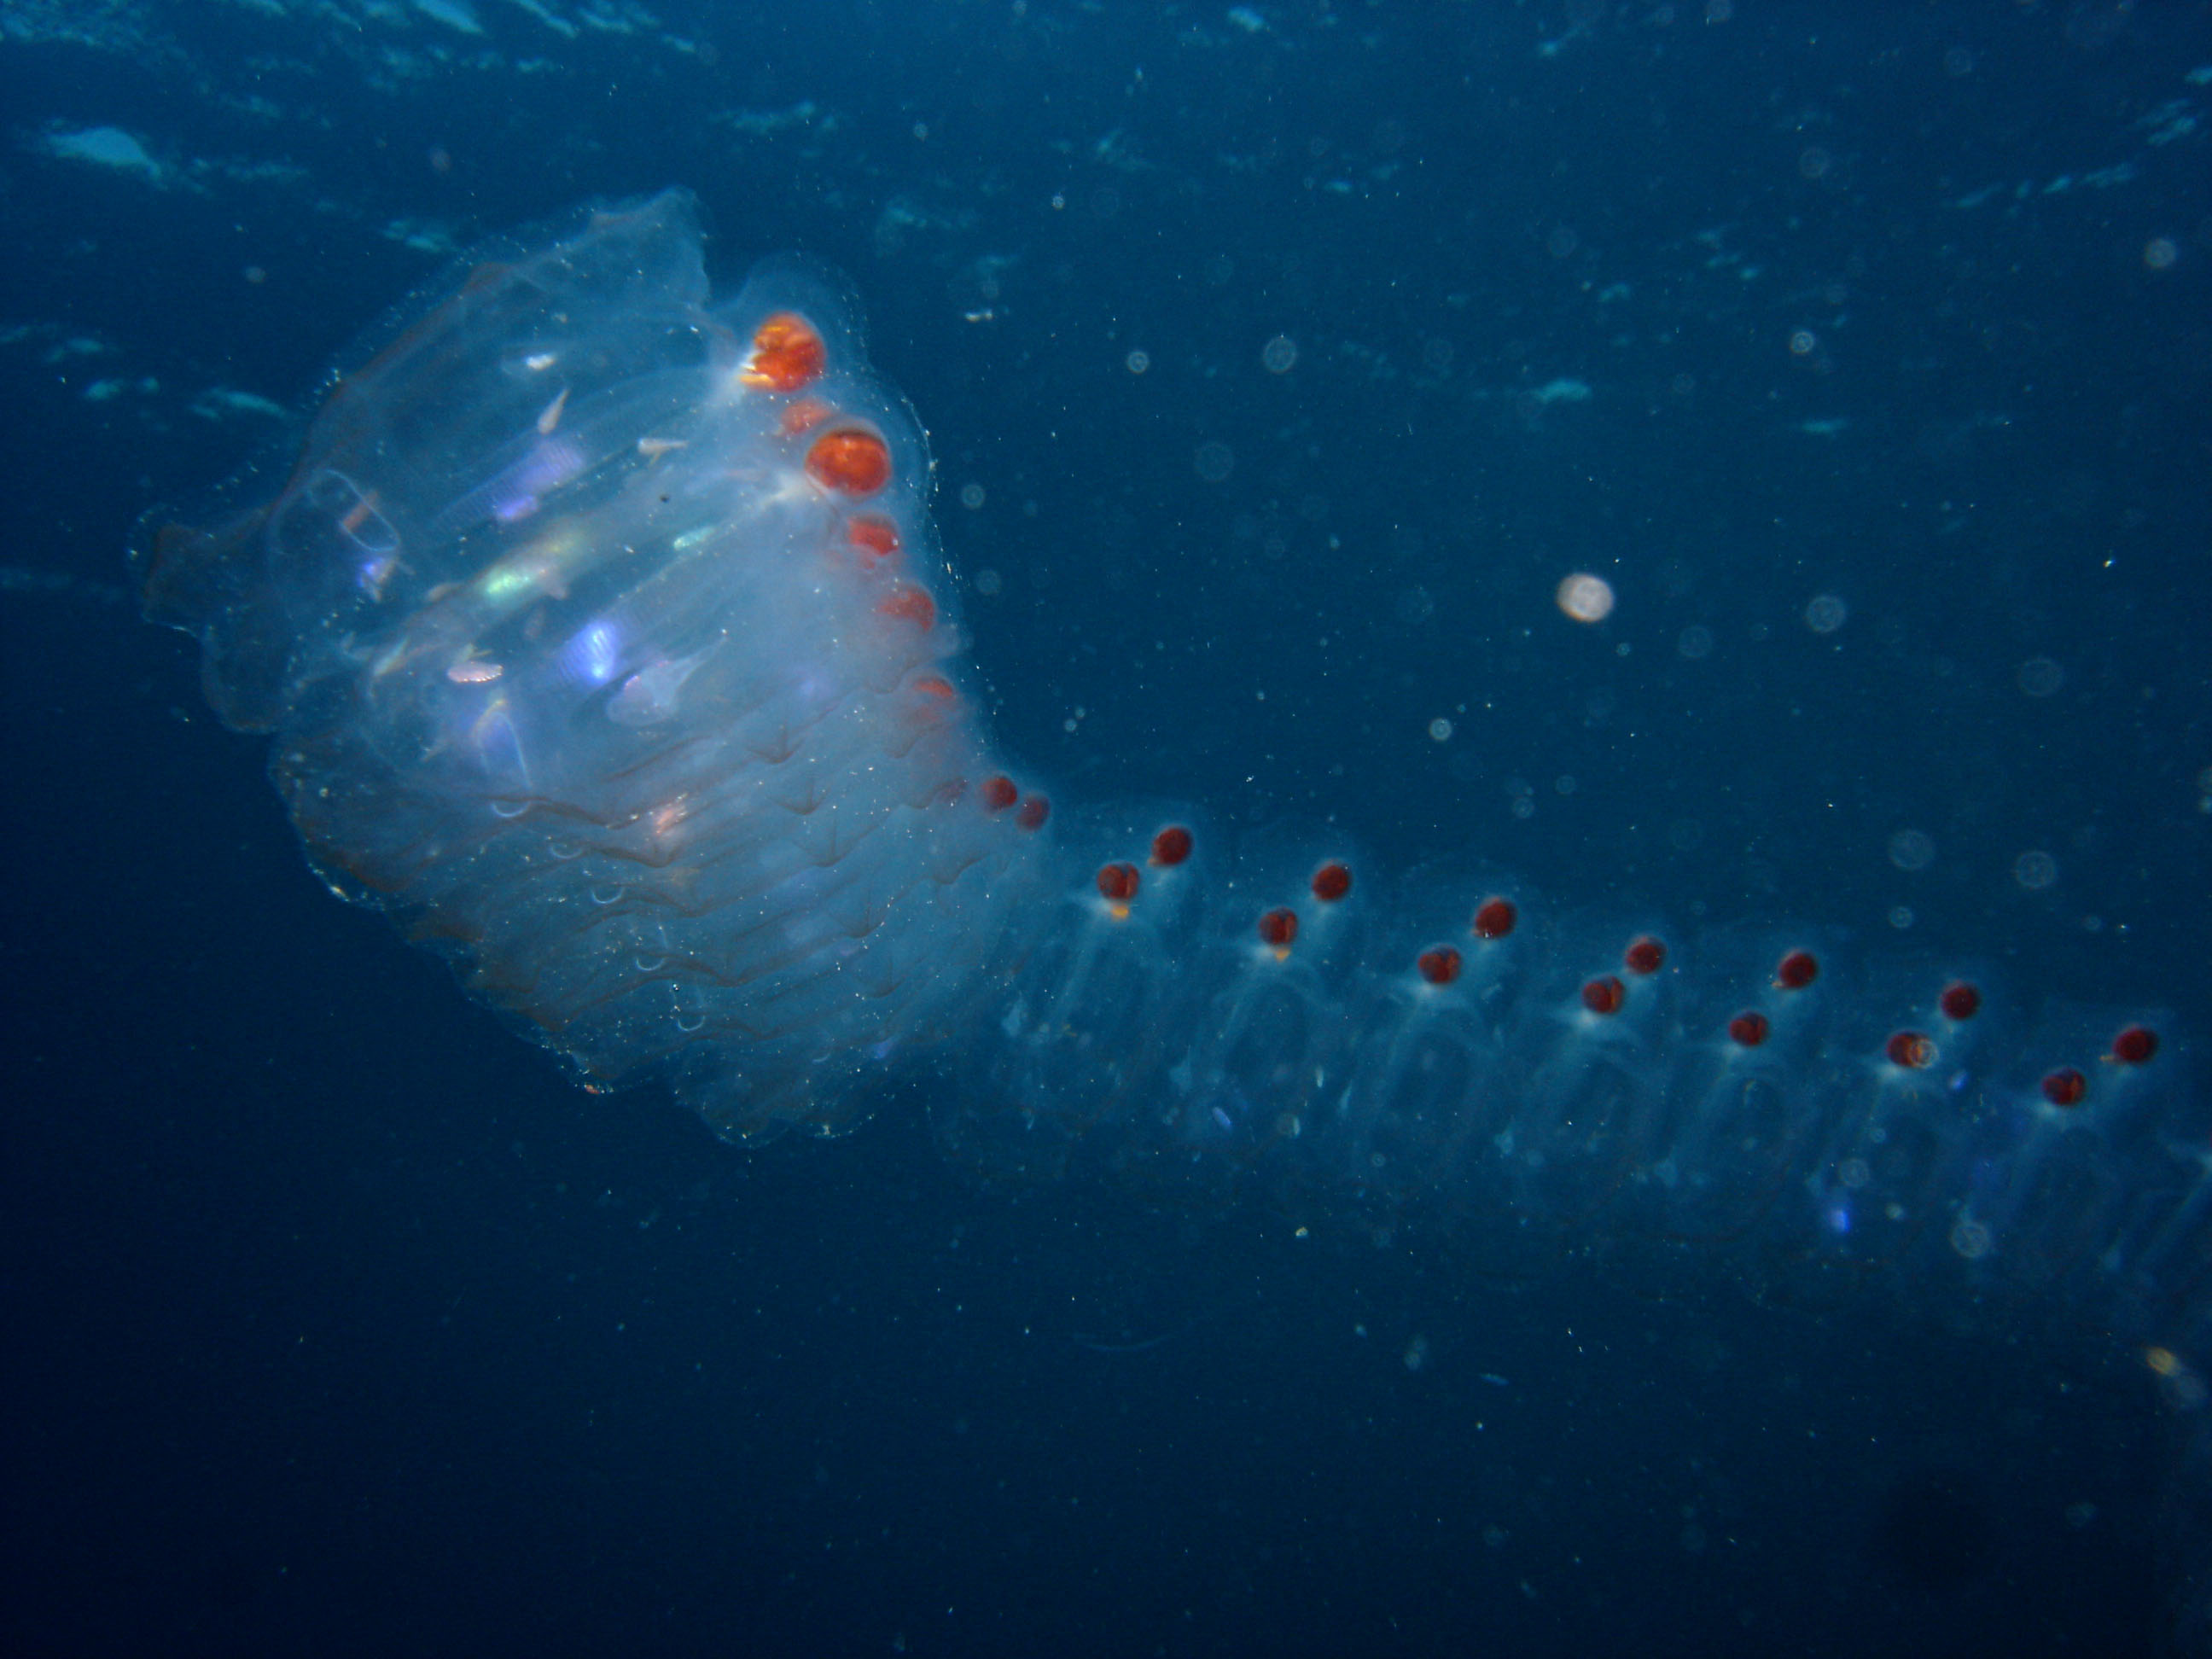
[[1863, 350]]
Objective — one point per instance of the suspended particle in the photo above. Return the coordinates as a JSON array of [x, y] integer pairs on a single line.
[[2039, 676], [2035, 870], [1912, 849], [1280, 355], [1696, 643], [1584, 597], [1825, 613], [1440, 729]]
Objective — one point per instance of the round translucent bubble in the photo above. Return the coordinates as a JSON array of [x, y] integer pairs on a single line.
[[606, 895], [1585, 598], [971, 497], [2035, 870], [2039, 676], [1440, 729], [1826, 613], [989, 581], [1139, 362], [1696, 642], [1215, 461], [1912, 849], [1971, 1238], [1415, 606], [1280, 355], [1900, 917], [1804, 343]]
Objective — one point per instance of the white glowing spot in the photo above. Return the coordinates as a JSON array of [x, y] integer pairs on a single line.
[[1585, 598], [473, 673]]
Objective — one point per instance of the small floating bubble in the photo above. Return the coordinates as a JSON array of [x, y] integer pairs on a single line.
[[1585, 598], [1912, 849]]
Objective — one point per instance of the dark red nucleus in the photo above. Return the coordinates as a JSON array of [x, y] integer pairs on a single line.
[[2136, 1046], [873, 534], [854, 460], [2065, 1087], [1438, 964], [1796, 970], [1171, 847], [999, 793], [1646, 954], [1959, 1000], [1914, 1050], [787, 354], [1035, 810], [1605, 995], [1749, 1028], [1494, 918], [1278, 928], [1331, 882], [1117, 883]]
